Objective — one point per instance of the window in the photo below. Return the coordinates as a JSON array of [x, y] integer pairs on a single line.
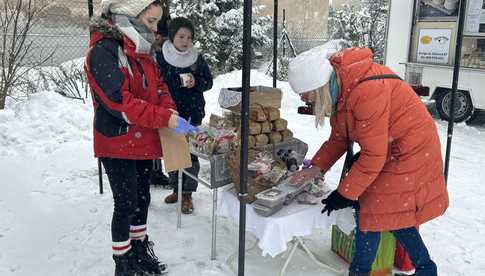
[[473, 52]]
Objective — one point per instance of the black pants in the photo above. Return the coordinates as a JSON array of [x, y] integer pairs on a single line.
[[188, 184], [129, 181]]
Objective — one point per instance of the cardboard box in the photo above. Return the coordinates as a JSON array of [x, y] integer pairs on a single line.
[[230, 98]]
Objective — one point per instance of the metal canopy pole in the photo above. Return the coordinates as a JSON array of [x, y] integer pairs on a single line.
[[90, 8], [456, 73], [275, 42], [246, 80], [100, 167]]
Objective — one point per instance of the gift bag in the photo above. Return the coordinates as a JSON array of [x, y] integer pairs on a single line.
[[344, 246], [402, 260]]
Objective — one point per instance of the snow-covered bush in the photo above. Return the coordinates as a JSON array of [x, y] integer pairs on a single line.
[[363, 26], [219, 25], [68, 79]]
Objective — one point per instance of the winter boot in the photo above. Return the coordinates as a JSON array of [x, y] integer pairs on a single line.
[[146, 258], [172, 198], [157, 177], [127, 265], [353, 273], [187, 204]]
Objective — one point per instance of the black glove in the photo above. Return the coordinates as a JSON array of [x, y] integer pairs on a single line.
[[335, 201]]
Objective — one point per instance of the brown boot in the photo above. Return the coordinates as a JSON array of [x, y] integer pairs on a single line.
[[172, 198], [187, 205]]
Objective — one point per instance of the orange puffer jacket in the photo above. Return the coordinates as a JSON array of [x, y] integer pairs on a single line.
[[398, 178]]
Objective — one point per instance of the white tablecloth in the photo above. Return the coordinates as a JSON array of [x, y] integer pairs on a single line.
[[294, 220]]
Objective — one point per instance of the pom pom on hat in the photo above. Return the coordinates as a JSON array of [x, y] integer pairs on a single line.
[[312, 69], [130, 8]]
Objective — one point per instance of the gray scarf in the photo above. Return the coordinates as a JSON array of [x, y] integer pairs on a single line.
[[136, 31]]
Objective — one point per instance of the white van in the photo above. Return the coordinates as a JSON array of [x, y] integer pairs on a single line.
[[421, 48]]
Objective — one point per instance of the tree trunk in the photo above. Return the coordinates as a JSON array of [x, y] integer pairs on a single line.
[[3, 97]]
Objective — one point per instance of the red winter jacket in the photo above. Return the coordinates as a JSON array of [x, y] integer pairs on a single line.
[[398, 178], [131, 102]]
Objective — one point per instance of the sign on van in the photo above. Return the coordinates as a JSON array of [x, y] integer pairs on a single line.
[[434, 46]]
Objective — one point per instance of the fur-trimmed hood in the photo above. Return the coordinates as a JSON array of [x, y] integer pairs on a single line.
[[104, 27], [122, 28]]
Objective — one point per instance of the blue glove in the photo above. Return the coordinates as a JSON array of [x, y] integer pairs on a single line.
[[184, 127]]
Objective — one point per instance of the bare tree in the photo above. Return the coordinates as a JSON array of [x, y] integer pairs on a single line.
[[17, 60], [69, 80]]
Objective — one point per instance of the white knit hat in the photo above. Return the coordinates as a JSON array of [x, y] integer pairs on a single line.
[[130, 8], [312, 69]]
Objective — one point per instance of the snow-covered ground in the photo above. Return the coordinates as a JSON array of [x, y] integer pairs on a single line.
[[54, 222]]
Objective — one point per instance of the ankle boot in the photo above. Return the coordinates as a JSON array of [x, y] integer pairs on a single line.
[[172, 198], [146, 258], [127, 265], [353, 273], [187, 204]]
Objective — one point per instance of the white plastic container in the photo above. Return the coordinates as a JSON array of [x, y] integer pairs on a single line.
[[266, 211], [451, 5], [438, 2], [271, 198]]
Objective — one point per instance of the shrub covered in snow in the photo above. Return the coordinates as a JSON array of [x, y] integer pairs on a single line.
[[363, 26], [219, 25]]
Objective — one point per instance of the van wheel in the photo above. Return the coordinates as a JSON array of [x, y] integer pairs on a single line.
[[463, 105]]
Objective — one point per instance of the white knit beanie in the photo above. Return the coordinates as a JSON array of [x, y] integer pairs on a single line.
[[312, 69], [130, 8]]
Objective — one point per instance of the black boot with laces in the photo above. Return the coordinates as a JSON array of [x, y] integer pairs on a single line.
[[147, 259], [127, 265]]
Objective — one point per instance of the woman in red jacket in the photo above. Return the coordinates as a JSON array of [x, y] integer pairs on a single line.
[[398, 179], [131, 102]]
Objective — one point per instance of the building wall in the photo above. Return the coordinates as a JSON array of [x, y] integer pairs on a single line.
[[305, 18]]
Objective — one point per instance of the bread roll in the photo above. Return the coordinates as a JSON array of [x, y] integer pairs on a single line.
[[272, 113], [266, 127], [254, 128], [280, 125], [286, 134], [275, 137], [251, 141], [257, 114], [261, 140]]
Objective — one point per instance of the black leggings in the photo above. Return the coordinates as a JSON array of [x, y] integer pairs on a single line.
[[129, 181]]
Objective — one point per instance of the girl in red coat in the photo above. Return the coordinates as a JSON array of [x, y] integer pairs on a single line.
[[131, 103]]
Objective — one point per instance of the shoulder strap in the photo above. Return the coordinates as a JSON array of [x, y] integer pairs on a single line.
[[350, 154], [349, 158], [380, 77]]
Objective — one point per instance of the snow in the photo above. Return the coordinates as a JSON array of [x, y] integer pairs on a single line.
[[54, 221]]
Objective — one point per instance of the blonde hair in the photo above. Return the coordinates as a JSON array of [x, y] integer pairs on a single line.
[[323, 105]]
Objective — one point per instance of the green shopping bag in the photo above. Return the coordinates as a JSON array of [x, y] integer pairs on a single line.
[[344, 246]]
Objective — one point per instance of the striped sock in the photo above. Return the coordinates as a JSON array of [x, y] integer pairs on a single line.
[[138, 232], [120, 248]]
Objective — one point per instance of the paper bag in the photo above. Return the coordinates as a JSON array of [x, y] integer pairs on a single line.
[[176, 152]]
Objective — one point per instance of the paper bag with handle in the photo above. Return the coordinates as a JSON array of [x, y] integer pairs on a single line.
[[176, 152]]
